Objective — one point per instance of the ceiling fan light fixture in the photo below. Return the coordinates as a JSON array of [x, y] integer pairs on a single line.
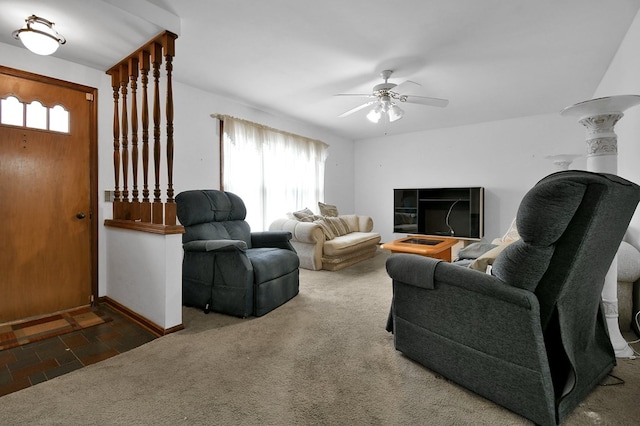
[[385, 102], [375, 114], [39, 36], [395, 113], [385, 95]]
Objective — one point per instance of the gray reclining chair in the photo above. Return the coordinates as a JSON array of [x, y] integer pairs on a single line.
[[227, 268], [532, 335]]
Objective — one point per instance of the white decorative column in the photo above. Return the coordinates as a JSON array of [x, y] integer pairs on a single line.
[[562, 161], [599, 116]]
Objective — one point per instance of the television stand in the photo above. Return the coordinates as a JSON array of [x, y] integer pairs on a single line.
[[435, 247]]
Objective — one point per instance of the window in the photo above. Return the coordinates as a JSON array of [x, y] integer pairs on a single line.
[[274, 172], [34, 115], [59, 119], [11, 111]]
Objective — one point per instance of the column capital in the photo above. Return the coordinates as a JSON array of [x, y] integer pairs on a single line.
[[601, 123]]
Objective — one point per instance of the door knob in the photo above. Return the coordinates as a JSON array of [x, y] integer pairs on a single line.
[[80, 215]]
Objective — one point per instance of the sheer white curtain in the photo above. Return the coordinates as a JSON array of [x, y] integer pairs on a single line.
[[274, 172]]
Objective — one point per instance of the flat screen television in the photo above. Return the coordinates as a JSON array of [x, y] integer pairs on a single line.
[[448, 212]]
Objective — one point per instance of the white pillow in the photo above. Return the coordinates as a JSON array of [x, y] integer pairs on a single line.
[[510, 236], [328, 209], [484, 262], [305, 215]]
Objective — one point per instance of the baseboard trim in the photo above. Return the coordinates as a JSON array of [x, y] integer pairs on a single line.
[[146, 323]]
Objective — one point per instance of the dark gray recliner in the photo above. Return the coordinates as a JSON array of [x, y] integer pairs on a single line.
[[227, 268], [532, 335]]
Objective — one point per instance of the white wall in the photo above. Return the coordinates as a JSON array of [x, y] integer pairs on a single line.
[[505, 157], [145, 274], [623, 78]]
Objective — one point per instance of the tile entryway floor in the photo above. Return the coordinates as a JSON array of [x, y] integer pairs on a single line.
[[37, 362]]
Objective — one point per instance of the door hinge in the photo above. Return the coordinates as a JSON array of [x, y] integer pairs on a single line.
[[89, 96]]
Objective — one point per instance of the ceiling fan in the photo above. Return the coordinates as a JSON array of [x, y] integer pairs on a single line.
[[385, 98]]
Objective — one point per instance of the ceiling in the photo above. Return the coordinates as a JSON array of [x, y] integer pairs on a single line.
[[492, 59]]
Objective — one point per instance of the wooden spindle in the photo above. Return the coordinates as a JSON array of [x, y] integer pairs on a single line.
[[156, 61], [117, 202], [145, 207], [124, 149], [133, 81], [170, 206]]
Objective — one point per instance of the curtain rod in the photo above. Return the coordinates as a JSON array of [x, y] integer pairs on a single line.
[[222, 117]]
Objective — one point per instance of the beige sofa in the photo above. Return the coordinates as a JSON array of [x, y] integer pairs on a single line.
[[320, 247]]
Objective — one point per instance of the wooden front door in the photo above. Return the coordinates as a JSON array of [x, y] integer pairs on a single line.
[[48, 232]]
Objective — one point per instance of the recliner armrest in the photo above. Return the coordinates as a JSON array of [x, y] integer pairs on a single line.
[[412, 269], [279, 239], [484, 284], [428, 273], [215, 245]]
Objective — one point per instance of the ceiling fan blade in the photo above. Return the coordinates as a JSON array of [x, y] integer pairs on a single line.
[[424, 100], [357, 95], [358, 108], [405, 85]]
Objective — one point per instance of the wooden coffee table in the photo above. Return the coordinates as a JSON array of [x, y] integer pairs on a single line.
[[436, 247]]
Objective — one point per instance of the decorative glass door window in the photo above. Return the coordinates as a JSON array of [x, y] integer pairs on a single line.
[[33, 115]]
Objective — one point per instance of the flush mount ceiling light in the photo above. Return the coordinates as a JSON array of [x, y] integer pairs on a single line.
[[39, 36]]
